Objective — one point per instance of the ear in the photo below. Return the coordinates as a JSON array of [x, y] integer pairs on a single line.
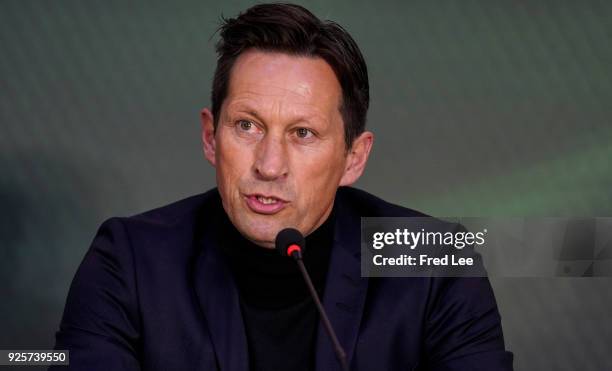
[[208, 135], [357, 158]]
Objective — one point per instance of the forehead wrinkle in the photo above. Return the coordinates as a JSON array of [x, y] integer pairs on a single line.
[[281, 74], [303, 91], [250, 102]]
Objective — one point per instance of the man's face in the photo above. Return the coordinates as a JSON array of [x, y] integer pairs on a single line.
[[279, 149]]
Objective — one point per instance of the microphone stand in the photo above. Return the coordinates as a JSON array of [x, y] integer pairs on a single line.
[[328, 327]]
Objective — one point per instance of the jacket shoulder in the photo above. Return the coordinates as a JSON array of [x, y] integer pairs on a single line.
[[190, 208], [177, 224]]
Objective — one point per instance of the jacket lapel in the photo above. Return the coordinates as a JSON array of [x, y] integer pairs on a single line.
[[219, 301], [345, 290]]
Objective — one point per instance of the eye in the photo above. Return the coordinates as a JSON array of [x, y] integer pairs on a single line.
[[245, 125], [247, 129], [304, 133]]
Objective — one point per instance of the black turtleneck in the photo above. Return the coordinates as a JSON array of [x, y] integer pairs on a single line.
[[280, 318]]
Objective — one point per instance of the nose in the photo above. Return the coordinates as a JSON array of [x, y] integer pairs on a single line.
[[271, 162]]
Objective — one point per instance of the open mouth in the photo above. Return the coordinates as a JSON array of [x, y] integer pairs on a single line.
[[267, 200], [263, 204]]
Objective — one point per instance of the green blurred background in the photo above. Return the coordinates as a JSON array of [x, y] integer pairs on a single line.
[[480, 108]]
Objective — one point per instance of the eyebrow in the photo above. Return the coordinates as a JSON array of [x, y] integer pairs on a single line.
[[253, 113], [245, 108]]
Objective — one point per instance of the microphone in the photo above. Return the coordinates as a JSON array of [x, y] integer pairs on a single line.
[[290, 242]]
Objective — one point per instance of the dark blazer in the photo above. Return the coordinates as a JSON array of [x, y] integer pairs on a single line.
[[152, 293]]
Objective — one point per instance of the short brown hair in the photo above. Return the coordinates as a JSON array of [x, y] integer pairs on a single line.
[[292, 29]]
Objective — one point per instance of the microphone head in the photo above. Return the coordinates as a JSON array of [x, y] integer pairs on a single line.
[[290, 241]]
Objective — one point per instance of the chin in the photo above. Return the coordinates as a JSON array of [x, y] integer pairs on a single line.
[[262, 234]]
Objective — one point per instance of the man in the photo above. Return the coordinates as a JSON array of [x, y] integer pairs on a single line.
[[196, 285]]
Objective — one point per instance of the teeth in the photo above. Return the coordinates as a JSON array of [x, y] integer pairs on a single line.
[[266, 201]]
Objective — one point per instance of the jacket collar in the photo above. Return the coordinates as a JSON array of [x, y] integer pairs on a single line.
[[343, 298], [218, 298]]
